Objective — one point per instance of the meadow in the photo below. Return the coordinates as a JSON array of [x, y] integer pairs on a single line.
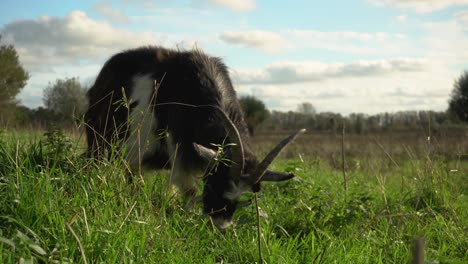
[[393, 188]]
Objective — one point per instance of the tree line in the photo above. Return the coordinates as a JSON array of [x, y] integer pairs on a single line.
[[65, 102], [357, 122]]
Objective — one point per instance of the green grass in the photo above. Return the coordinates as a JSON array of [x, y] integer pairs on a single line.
[[47, 193]]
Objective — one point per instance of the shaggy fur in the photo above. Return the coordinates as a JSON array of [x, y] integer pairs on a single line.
[[158, 124]]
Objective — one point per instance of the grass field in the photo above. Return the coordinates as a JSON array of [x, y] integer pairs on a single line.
[[57, 207]]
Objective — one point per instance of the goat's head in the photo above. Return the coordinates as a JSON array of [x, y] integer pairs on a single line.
[[244, 174]]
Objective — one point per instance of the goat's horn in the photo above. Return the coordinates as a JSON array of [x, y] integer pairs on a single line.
[[263, 166], [237, 151]]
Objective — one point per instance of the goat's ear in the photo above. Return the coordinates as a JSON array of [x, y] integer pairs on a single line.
[[204, 152], [276, 176]]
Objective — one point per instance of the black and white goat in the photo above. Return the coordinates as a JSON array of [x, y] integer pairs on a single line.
[[165, 106]]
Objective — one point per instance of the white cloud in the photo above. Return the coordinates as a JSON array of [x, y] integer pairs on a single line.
[[313, 71], [144, 3], [402, 18], [446, 43], [236, 5], [264, 40], [341, 41], [372, 86], [63, 47], [462, 19], [373, 94], [75, 38], [105, 8], [422, 6]]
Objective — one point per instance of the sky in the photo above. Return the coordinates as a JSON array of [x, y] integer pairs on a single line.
[[354, 56]]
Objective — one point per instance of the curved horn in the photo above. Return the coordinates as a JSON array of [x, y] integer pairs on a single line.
[[263, 166], [237, 151], [204, 152]]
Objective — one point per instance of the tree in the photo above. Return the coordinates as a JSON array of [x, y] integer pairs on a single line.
[[13, 78], [23, 115], [66, 99], [360, 123], [306, 115], [255, 111], [458, 103], [43, 116], [306, 109]]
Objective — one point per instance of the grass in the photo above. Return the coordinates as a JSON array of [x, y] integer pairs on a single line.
[[57, 207]]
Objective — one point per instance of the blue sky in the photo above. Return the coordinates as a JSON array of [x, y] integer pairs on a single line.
[[366, 56]]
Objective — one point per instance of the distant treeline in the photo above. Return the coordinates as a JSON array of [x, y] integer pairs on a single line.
[[357, 123], [23, 117]]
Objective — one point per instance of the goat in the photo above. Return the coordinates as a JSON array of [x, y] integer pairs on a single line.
[[165, 106]]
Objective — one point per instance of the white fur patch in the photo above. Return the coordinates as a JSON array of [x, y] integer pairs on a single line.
[[142, 138]]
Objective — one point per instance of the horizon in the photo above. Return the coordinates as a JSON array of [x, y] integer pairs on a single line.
[[368, 56]]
